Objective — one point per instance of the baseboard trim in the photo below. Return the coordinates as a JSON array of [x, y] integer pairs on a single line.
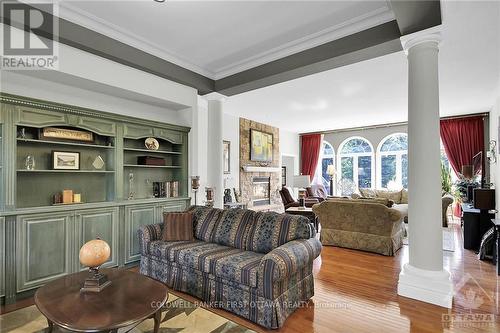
[[433, 287]]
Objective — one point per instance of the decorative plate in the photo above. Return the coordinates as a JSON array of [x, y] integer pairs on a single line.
[[152, 144], [98, 163]]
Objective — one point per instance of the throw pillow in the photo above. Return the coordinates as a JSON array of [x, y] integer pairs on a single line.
[[368, 193], [404, 196], [383, 201], [178, 226], [391, 195]]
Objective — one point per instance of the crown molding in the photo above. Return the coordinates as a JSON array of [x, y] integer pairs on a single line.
[[349, 27], [73, 14], [371, 19]]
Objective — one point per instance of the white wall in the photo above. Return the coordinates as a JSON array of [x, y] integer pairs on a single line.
[[231, 133]]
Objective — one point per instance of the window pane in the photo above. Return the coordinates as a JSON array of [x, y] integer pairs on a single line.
[[346, 167], [356, 146], [327, 149], [364, 171], [326, 177], [395, 142], [404, 172], [388, 169]]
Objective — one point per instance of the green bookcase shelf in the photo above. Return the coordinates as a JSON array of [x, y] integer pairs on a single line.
[[65, 171], [63, 143]]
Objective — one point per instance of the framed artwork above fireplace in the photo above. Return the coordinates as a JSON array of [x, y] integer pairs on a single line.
[[261, 146]]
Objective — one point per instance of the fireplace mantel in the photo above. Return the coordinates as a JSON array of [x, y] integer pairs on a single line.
[[253, 168]]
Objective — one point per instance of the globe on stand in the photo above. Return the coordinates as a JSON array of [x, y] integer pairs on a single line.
[[93, 254]]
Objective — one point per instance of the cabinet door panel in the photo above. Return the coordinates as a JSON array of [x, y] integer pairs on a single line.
[[102, 223], [135, 217], [178, 206], [44, 250]]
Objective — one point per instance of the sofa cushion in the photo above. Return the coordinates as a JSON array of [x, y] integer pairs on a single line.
[[271, 230], [367, 193], [204, 220], [233, 227], [391, 195], [221, 261], [404, 196], [177, 226]]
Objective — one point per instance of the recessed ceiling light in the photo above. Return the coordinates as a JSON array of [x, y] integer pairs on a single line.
[[159, 0]]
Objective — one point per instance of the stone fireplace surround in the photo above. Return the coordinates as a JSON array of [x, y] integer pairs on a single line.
[[270, 170]]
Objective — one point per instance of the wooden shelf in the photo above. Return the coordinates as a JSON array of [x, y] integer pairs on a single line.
[[65, 171], [151, 166], [152, 151], [64, 143]]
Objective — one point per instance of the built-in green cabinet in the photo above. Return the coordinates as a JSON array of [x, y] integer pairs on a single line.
[[44, 248], [39, 238], [99, 223]]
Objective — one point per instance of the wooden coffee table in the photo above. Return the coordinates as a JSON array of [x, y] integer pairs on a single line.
[[130, 299]]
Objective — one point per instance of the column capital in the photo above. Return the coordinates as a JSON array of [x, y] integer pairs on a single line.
[[432, 35], [215, 96]]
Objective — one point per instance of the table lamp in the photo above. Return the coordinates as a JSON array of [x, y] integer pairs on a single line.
[[302, 182], [93, 254], [330, 170]]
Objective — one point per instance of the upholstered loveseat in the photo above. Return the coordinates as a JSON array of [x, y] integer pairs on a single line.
[[257, 265], [400, 201], [360, 224]]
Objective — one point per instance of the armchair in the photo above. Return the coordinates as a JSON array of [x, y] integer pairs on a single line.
[[289, 201]]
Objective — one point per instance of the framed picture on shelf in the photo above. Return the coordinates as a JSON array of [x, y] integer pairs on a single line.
[[65, 160], [227, 156], [54, 133], [261, 146]]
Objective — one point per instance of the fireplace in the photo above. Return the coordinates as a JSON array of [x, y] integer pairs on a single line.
[[261, 191]]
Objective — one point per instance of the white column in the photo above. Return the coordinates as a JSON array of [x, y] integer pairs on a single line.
[[423, 277], [215, 148]]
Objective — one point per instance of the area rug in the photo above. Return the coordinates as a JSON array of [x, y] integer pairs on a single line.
[[179, 315], [448, 239]]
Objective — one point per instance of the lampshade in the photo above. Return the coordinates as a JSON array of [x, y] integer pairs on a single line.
[[330, 170], [301, 181], [467, 171]]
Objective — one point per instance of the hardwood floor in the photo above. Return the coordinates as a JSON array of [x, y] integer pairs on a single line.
[[357, 292]]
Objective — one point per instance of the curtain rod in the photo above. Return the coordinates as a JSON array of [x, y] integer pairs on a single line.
[[364, 128]]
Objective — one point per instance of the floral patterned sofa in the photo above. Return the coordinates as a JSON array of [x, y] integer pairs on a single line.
[[360, 224], [257, 265]]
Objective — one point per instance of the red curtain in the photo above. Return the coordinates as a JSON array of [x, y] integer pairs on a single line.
[[462, 139], [311, 145]]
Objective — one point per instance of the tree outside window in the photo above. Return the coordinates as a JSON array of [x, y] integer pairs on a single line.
[[356, 162], [393, 161]]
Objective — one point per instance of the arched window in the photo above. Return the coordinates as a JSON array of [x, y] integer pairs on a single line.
[[393, 162], [355, 161], [327, 159]]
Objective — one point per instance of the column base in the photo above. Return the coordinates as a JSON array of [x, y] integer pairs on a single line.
[[433, 287]]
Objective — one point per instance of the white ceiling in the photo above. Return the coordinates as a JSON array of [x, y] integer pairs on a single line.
[[375, 91], [220, 38]]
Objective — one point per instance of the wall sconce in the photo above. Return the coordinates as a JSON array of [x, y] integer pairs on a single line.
[[491, 153]]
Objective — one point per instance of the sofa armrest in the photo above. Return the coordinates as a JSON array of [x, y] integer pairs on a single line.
[[288, 259], [147, 234]]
